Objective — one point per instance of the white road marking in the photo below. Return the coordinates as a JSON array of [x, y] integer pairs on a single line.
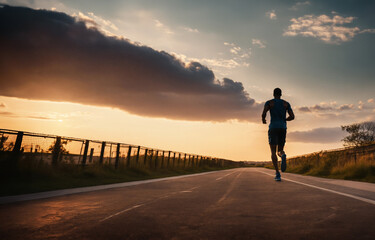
[[225, 175], [148, 202], [229, 190], [128, 209], [326, 189]]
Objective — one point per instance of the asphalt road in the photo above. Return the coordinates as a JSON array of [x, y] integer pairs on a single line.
[[243, 203]]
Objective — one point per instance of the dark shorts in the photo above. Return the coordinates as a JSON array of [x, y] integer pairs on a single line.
[[276, 136]]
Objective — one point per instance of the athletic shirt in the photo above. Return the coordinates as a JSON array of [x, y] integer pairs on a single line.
[[278, 109]]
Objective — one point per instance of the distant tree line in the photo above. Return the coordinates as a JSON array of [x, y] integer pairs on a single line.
[[360, 134]]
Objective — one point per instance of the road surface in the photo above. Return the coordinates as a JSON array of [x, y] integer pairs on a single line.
[[244, 203]]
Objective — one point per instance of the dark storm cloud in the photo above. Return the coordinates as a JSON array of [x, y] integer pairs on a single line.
[[318, 135], [52, 56]]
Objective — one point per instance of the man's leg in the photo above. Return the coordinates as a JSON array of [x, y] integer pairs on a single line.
[[281, 142], [280, 148], [274, 157]]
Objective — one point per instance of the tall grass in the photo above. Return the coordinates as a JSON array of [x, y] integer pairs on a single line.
[[343, 164], [364, 171]]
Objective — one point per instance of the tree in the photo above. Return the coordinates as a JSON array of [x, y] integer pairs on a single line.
[[359, 134]]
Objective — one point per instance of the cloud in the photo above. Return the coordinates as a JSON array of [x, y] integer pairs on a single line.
[[365, 105], [217, 63], [103, 21], [162, 27], [325, 28], [328, 107], [14, 115], [346, 107], [271, 15], [238, 52], [191, 30], [49, 55], [317, 135], [353, 112], [368, 31], [304, 109], [258, 43], [298, 5], [317, 108]]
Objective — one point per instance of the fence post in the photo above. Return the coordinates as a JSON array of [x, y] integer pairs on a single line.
[[169, 156], [145, 159], [84, 157], [129, 155], [157, 159], [174, 159], [137, 158], [150, 161], [56, 151], [18, 143], [91, 154], [179, 160], [102, 153], [117, 155], [110, 154], [16, 152], [162, 160]]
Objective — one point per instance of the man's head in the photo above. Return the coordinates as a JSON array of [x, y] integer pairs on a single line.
[[277, 93]]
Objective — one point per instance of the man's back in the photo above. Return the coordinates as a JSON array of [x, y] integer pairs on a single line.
[[278, 109]]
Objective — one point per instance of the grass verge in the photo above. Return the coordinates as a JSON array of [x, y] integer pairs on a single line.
[[330, 168], [43, 177]]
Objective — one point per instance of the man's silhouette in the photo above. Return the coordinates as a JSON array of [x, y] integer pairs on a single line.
[[277, 128]]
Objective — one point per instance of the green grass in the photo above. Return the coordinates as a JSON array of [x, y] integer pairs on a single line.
[[31, 176]]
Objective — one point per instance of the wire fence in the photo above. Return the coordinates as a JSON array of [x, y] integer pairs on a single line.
[[55, 150]]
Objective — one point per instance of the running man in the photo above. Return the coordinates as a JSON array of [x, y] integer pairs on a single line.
[[277, 128]]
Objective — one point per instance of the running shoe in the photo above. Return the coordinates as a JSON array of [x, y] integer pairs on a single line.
[[283, 162], [278, 177]]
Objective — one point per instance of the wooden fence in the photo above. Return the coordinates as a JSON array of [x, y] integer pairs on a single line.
[[54, 150]]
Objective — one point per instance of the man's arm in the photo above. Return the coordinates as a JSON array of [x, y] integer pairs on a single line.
[[265, 110], [291, 115]]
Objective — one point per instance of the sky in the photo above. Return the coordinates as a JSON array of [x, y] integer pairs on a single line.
[[189, 76]]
